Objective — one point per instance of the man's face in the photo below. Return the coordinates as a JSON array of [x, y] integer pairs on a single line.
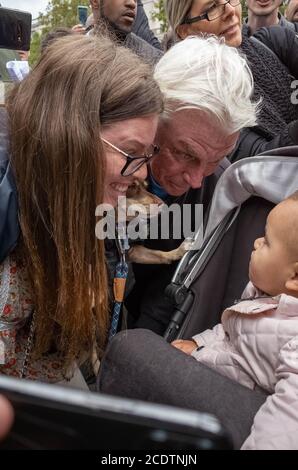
[[121, 14], [291, 12], [263, 7], [192, 144]]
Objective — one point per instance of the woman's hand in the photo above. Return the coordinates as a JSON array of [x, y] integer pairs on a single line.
[[6, 416], [184, 345], [24, 55], [79, 29]]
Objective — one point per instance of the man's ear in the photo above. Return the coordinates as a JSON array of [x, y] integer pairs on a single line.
[[182, 31], [94, 4], [292, 282]]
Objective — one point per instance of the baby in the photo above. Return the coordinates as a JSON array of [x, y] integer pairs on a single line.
[[256, 344]]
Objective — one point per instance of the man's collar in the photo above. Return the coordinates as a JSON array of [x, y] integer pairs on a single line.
[[281, 21], [155, 188], [120, 36]]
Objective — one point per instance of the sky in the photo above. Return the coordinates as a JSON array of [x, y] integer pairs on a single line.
[[33, 6]]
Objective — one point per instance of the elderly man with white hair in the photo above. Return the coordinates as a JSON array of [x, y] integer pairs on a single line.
[[207, 88]]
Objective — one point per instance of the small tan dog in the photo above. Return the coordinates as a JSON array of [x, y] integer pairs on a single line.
[[138, 195]]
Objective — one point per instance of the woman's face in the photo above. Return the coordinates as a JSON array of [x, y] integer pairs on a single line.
[[135, 137], [227, 25]]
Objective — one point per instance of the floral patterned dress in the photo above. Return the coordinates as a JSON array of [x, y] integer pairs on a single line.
[[16, 309]]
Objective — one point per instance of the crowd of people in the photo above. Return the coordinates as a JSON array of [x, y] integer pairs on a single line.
[[106, 106]]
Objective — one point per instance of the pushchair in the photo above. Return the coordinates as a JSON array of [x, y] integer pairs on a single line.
[[243, 197], [139, 365]]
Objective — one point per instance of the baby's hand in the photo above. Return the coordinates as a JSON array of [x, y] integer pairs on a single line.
[[184, 345]]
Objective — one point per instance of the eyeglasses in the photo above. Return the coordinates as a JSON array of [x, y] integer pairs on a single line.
[[134, 163], [214, 12]]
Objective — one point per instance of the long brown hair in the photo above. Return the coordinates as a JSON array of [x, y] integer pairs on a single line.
[[176, 11], [55, 116]]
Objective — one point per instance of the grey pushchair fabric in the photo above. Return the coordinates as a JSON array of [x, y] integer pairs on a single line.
[[216, 274], [269, 177]]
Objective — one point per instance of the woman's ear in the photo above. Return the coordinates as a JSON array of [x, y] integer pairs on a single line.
[[292, 281], [182, 31]]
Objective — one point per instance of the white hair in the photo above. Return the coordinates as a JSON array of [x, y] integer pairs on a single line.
[[205, 74]]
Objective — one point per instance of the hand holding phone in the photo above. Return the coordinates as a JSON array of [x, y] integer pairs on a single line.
[[82, 14]]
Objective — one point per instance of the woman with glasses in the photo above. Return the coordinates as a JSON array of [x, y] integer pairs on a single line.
[[272, 56], [81, 129], [221, 18]]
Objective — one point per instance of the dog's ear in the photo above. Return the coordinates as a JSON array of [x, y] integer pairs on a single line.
[[133, 190], [137, 193], [137, 188]]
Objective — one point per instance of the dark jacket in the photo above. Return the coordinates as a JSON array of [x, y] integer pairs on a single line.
[[148, 53], [9, 225], [145, 51], [273, 62], [142, 29], [283, 22]]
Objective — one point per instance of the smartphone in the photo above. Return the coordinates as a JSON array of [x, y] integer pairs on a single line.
[[15, 29], [82, 14], [52, 417]]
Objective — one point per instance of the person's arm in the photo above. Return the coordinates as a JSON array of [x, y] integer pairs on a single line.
[[276, 423], [252, 143], [210, 337], [284, 43], [206, 338], [142, 29]]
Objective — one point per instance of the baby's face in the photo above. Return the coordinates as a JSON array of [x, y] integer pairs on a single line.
[[272, 260]]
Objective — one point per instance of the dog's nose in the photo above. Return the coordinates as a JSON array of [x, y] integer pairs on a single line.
[[133, 189]]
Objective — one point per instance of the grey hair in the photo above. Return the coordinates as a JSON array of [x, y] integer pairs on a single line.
[[205, 74], [176, 11]]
